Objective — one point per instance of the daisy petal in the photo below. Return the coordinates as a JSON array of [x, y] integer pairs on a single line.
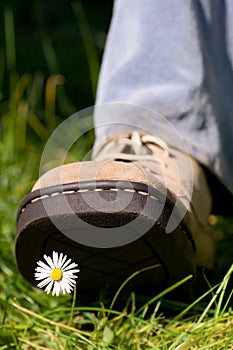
[[44, 282], [43, 265], [69, 267], [55, 259], [49, 261], [60, 260], [41, 269], [65, 264], [56, 288], [71, 272], [41, 276], [49, 287]]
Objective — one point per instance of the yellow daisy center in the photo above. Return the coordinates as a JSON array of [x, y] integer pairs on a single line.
[[56, 274]]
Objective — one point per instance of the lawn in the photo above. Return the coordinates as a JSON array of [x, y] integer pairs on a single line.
[[32, 105]]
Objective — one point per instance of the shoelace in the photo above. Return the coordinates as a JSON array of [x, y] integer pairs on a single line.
[[136, 141]]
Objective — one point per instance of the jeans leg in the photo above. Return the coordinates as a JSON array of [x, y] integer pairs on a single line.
[[154, 61]]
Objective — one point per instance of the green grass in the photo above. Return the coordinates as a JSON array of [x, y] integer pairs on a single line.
[[30, 319]]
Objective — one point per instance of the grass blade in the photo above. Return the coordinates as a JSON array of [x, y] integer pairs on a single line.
[[10, 46], [166, 291], [88, 42], [220, 292], [129, 279]]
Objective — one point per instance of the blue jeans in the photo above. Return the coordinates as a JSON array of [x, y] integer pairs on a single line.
[[172, 58]]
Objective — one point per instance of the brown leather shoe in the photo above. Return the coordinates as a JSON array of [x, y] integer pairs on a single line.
[[138, 204]]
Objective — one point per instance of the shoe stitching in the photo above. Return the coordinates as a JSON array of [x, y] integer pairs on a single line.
[[54, 194]]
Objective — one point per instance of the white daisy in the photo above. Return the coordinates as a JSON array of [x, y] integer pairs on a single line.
[[58, 275]]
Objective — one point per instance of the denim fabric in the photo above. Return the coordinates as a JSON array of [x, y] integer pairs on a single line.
[[173, 57]]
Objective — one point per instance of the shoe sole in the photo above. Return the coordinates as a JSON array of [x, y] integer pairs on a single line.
[[74, 219]]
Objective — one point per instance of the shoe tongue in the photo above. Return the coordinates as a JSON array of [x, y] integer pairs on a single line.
[[128, 149], [122, 145]]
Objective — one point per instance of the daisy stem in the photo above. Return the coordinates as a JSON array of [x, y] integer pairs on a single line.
[[72, 306]]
